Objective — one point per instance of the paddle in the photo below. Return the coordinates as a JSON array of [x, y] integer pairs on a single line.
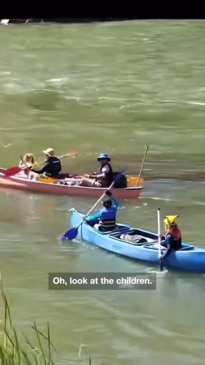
[[16, 169], [73, 232], [159, 238], [142, 165]]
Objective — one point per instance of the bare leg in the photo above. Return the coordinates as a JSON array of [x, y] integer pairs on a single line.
[[89, 182]]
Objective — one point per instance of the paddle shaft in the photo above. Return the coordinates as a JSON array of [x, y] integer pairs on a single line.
[[159, 236], [62, 156], [142, 165]]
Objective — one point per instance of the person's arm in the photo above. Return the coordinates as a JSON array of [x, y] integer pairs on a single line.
[[105, 169], [22, 164], [92, 219], [41, 171], [115, 201], [168, 241], [97, 176]]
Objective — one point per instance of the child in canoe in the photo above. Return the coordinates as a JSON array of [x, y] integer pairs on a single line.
[[28, 161]]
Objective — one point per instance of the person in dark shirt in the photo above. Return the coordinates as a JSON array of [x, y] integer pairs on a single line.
[[173, 237], [52, 166], [104, 177]]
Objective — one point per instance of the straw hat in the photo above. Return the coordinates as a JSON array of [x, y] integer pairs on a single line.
[[49, 152], [170, 220]]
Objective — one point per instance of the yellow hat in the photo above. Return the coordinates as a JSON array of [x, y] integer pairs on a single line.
[[170, 219], [49, 152]]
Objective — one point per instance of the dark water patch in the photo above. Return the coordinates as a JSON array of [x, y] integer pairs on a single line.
[[43, 99]]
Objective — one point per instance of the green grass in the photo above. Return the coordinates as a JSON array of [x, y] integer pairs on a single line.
[[17, 351]]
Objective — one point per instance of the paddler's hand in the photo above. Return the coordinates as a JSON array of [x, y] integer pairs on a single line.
[[108, 193], [87, 175], [160, 256]]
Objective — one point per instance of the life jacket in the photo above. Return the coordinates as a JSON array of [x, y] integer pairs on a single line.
[[108, 179], [54, 166], [177, 238], [107, 219]]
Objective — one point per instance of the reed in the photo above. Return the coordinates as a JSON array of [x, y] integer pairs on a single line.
[[16, 351]]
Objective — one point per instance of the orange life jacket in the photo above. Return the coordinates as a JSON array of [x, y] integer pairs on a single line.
[[176, 235]]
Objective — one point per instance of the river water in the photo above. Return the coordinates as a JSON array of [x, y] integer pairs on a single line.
[[113, 87]]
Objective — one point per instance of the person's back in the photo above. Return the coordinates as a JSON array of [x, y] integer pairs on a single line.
[[52, 166], [105, 218]]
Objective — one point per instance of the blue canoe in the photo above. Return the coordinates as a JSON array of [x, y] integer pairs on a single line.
[[120, 241]]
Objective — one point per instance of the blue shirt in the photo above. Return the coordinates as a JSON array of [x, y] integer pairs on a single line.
[[93, 219]]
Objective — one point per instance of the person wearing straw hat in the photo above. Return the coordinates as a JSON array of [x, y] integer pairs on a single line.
[[52, 166], [104, 177], [173, 237]]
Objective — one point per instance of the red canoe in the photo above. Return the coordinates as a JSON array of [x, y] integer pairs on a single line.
[[21, 183]]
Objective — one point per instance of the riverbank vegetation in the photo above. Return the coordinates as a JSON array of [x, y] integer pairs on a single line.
[[16, 349]]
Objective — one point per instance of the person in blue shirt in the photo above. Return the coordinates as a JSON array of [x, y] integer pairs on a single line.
[[105, 218]]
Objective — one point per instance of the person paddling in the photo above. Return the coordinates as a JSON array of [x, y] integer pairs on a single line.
[[105, 218], [173, 237], [52, 166], [104, 177]]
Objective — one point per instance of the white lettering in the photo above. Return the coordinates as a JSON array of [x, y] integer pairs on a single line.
[[94, 281], [133, 281], [106, 281], [79, 281], [59, 280]]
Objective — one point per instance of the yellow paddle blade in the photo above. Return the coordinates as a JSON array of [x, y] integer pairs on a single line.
[[133, 181]]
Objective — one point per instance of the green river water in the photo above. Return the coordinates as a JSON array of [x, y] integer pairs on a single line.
[[112, 87]]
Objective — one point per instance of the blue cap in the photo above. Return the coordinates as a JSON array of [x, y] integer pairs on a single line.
[[103, 156]]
